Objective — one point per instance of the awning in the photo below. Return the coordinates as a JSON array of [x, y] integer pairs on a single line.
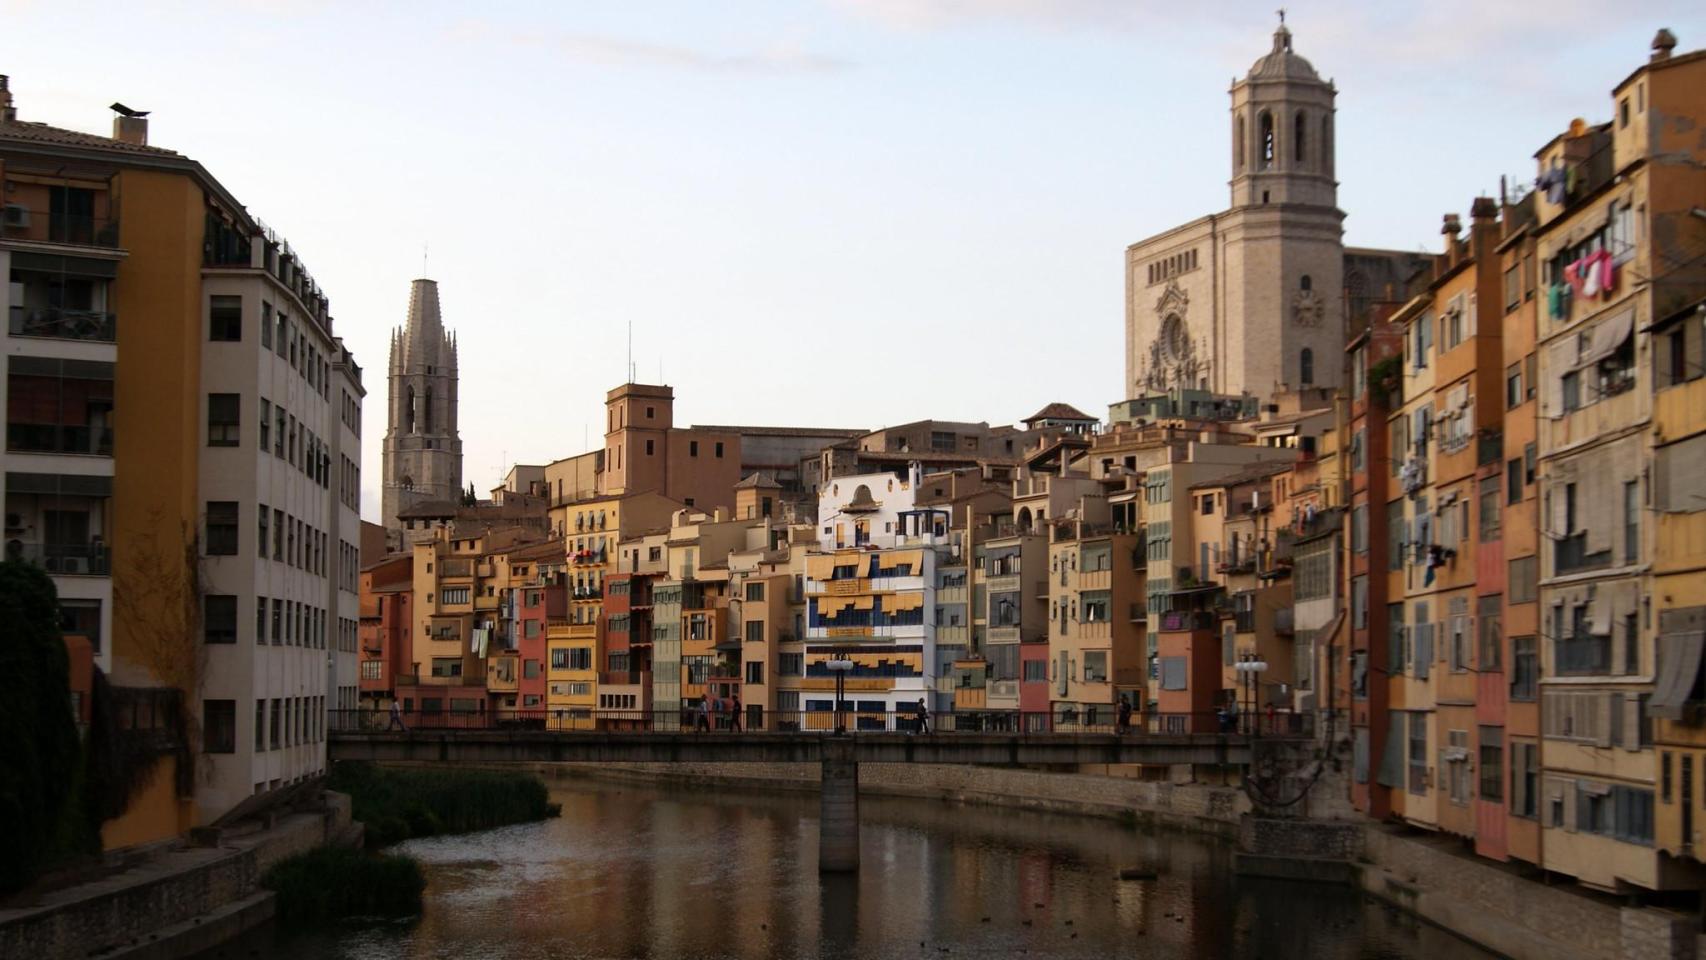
[[859, 603], [1607, 337], [820, 566], [913, 558], [903, 601], [1679, 666]]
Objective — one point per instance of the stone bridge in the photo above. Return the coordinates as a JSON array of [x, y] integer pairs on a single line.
[[839, 754]]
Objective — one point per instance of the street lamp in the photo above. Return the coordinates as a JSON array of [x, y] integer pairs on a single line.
[[1249, 671], [840, 668]]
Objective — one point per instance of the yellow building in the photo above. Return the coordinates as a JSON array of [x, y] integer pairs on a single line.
[[160, 537]]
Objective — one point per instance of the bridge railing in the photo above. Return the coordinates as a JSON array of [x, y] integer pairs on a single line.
[[848, 720]]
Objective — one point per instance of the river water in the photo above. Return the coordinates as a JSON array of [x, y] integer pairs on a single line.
[[640, 871]]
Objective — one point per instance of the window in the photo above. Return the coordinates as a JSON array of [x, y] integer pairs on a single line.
[[1359, 528], [1395, 530], [1525, 780], [755, 671], [1095, 666], [225, 319], [1265, 141], [221, 528], [1418, 779], [693, 448], [719, 449], [224, 420], [755, 591], [1523, 579], [266, 425], [790, 664], [278, 431], [1631, 522], [1489, 507], [1359, 602], [219, 726], [1513, 386], [1572, 387], [1529, 454], [447, 666], [59, 406], [755, 631], [648, 448], [372, 669], [1513, 287], [454, 595], [219, 618], [1513, 481], [1306, 367], [1297, 154], [1490, 643]]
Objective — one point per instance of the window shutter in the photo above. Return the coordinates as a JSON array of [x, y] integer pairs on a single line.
[[1610, 709], [1631, 722]]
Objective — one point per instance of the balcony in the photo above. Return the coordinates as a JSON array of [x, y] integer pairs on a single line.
[[1004, 634], [1489, 447], [484, 602], [1003, 690], [624, 678], [1179, 621], [59, 223], [1570, 555], [1006, 583], [485, 568], [65, 559], [454, 567], [62, 323]]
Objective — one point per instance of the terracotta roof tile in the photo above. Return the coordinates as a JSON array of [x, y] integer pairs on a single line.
[[59, 136]]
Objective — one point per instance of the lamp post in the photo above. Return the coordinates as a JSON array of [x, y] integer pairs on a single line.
[[840, 668], [1250, 669]]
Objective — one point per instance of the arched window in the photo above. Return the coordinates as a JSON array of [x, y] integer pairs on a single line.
[[1025, 519], [1306, 367], [409, 411], [1238, 146], [1267, 147], [1306, 283], [1297, 138], [426, 415]]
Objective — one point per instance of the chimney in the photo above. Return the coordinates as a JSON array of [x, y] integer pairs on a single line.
[[1663, 43], [130, 126], [8, 113]]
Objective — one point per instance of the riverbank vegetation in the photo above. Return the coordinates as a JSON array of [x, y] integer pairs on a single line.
[[398, 803], [328, 884]]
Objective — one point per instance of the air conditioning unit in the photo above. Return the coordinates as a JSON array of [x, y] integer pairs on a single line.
[[15, 215]]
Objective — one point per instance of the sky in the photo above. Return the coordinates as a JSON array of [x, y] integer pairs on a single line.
[[843, 213]]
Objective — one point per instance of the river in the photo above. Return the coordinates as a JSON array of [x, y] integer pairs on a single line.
[[640, 871]]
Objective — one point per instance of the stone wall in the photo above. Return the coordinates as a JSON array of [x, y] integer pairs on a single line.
[[1317, 839], [1499, 908], [116, 912]]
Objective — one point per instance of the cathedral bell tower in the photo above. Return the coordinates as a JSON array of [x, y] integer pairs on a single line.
[[422, 449], [1282, 132]]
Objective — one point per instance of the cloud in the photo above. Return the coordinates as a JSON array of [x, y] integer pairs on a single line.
[[777, 58]]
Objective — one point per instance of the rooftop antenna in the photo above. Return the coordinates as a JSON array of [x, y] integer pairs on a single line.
[[630, 370]]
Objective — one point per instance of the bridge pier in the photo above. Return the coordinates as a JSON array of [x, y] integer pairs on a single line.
[[838, 800]]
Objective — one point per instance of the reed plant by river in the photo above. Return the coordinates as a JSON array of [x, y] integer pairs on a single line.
[[396, 804], [331, 883]]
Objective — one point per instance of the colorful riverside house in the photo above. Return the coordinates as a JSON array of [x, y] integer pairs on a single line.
[[535, 592], [1096, 645], [1516, 784], [1375, 354], [1619, 242], [867, 597], [386, 637]]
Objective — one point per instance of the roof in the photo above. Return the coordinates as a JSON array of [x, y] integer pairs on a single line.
[[1255, 471], [843, 432], [1281, 63], [758, 480], [428, 510], [61, 137], [1059, 411], [548, 550]]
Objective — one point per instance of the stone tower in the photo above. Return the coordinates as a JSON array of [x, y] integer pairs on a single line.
[[1285, 240], [1250, 300], [423, 451]]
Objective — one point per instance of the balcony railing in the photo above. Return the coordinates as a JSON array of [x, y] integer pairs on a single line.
[[69, 559], [1489, 447], [58, 438], [44, 226], [1571, 555], [1189, 620], [62, 323]]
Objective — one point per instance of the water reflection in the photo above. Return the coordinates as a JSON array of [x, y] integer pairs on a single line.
[[707, 873]]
